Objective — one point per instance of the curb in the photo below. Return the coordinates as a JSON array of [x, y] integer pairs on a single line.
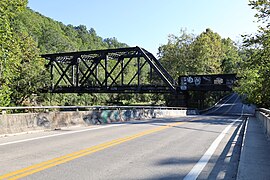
[[242, 148], [21, 133], [38, 131]]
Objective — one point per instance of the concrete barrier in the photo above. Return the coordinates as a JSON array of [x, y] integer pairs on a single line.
[[264, 117], [16, 123]]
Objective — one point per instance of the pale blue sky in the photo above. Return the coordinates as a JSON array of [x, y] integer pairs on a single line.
[[147, 23]]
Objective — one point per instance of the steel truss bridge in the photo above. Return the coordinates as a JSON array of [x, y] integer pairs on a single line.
[[123, 70]]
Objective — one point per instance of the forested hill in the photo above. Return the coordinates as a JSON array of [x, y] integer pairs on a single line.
[[24, 35], [53, 36]]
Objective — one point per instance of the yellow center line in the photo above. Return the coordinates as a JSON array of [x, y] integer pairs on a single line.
[[66, 158]]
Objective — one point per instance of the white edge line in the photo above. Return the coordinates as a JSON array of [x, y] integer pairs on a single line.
[[197, 169], [54, 135]]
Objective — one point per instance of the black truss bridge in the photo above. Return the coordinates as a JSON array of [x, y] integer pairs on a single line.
[[123, 70]]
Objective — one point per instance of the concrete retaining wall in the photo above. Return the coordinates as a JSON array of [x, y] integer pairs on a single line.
[[265, 121], [16, 123]]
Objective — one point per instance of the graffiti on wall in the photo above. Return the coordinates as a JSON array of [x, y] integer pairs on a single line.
[[43, 121], [109, 116]]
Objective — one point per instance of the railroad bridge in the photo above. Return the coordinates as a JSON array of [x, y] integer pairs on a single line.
[[123, 70]]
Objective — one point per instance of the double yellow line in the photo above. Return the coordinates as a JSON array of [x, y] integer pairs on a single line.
[[69, 157]]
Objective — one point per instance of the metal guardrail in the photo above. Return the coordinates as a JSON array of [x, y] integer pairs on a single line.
[[78, 108], [266, 111]]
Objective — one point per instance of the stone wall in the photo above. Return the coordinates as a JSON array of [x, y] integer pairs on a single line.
[[16, 123]]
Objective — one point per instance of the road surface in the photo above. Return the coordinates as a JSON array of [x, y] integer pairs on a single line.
[[203, 147]]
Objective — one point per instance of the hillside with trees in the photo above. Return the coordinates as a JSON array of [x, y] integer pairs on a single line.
[[26, 34], [19, 56], [52, 37]]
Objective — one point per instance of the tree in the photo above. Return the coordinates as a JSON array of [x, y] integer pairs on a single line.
[[206, 53], [32, 74], [231, 58], [255, 69], [9, 47], [177, 55], [22, 71], [114, 43]]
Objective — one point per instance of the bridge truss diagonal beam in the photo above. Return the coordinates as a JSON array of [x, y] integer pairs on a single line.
[[122, 70]]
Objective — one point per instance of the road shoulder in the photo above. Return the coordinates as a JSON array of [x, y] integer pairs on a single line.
[[254, 160]]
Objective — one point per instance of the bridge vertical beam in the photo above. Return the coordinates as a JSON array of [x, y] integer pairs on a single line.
[[122, 70], [97, 71], [139, 69], [73, 74], [73, 70], [106, 71], [151, 73], [77, 72], [52, 64]]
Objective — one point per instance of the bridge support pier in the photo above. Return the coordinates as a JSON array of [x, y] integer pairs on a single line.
[[177, 100]]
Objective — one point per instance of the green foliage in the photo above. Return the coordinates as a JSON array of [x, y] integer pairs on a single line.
[[263, 9], [52, 36], [32, 74], [10, 53], [255, 68], [177, 54], [231, 57], [206, 53]]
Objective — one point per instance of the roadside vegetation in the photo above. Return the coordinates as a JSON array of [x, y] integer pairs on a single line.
[[25, 34]]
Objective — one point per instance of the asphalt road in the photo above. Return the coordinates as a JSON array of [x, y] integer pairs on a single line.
[[202, 147]]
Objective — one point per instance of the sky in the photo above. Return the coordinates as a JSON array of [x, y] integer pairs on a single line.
[[147, 23]]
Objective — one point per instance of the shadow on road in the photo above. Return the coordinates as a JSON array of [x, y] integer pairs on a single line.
[[225, 166]]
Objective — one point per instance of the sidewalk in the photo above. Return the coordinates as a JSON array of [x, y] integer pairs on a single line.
[[255, 156]]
